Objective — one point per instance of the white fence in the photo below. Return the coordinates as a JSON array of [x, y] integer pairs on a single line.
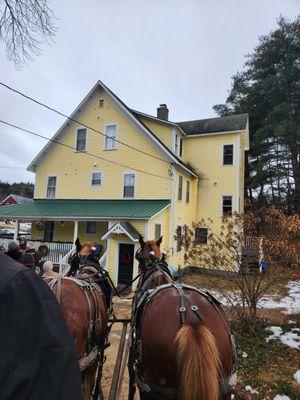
[[57, 251]]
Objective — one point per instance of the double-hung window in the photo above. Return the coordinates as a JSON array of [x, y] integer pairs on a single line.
[[227, 205], [110, 137], [201, 235], [157, 231], [51, 187], [228, 154], [187, 193], [129, 185], [91, 227], [178, 145], [96, 179], [81, 140], [180, 184]]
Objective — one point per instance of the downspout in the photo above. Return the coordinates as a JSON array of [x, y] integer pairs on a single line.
[[238, 183], [171, 233]]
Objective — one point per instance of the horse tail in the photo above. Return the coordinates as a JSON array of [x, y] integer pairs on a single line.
[[198, 363]]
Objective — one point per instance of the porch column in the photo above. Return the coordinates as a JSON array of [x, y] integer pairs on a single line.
[[17, 227], [75, 231]]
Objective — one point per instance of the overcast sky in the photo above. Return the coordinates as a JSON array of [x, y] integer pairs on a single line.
[[148, 52]]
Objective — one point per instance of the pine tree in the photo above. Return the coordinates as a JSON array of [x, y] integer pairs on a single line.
[[268, 89]]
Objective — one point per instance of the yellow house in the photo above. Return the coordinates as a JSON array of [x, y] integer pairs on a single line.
[[111, 173]]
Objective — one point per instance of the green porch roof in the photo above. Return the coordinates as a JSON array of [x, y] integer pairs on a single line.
[[84, 209]]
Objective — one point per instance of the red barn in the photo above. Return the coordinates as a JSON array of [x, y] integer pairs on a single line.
[[14, 199]]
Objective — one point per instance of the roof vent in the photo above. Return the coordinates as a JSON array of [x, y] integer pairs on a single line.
[[163, 112]]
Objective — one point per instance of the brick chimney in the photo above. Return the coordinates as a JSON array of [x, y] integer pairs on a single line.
[[163, 112]]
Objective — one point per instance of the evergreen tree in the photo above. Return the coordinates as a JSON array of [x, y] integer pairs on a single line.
[[268, 89]]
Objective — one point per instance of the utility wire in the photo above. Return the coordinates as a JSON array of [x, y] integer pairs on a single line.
[[80, 123], [85, 152]]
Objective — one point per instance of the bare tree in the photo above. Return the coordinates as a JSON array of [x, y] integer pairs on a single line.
[[24, 26], [239, 251]]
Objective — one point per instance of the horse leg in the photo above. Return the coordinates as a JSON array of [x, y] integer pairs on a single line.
[[88, 381], [131, 379]]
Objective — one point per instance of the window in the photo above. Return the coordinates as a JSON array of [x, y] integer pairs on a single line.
[[51, 187], [101, 103], [110, 137], [91, 227], [129, 186], [81, 140], [227, 205], [178, 145], [179, 237], [96, 179], [228, 154], [49, 231], [201, 235], [157, 231], [186, 237], [187, 193], [180, 183]]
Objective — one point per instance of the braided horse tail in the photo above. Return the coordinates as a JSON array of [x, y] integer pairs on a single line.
[[198, 363]]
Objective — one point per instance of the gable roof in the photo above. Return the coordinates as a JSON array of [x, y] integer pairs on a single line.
[[125, 228], [231, 123], [161, 146], [18, 199]]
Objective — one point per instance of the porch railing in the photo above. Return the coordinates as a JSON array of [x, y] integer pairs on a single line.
[[57, 250]]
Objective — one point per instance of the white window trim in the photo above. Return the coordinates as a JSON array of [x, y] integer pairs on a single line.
[[91, 181], [157, 223], [208, 233], [88, 233], [233, 155], [175, 134], [51, 176], [232, 203], [135, 184], [182, 191], [86, 140], [116, 143]]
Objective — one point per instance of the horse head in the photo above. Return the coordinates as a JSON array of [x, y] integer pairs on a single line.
[[85, 255], [149, 253]]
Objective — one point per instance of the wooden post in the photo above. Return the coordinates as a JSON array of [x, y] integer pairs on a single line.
[[16, 232], [75, 236]]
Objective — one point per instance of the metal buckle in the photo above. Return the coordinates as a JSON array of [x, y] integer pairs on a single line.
[[182, 309], [194, 308]]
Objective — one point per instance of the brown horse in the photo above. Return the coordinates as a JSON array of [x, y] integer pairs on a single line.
[[181, 345], [85, 305]]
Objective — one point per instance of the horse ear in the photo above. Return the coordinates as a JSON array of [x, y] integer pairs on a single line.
[[78, 245], [141, 240], [158, 242]]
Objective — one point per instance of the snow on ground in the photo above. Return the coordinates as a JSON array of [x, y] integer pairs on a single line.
[[290, 303], [291, 339], [281, 397], [297, 376], [248, 388]]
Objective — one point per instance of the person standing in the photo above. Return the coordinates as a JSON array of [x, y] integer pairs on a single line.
[[13, 251], [38, 358]]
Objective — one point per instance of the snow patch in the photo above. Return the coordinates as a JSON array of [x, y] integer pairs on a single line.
[[297, 376], [248, 388], [291, 339], [281, 397], [290, 303]]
